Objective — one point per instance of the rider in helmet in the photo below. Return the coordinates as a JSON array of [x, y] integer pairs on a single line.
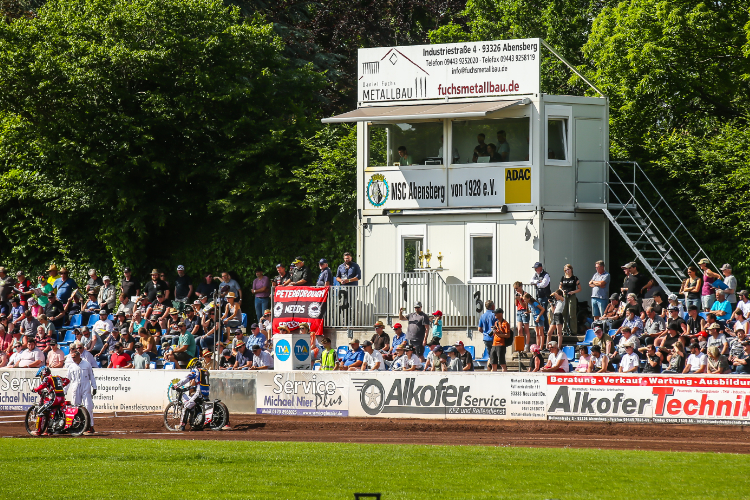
[[55, 399], [198, 377]]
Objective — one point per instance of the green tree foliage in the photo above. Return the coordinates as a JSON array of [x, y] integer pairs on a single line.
[[150, 132]]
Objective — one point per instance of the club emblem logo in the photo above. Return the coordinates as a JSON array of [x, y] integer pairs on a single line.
[[377, 190]]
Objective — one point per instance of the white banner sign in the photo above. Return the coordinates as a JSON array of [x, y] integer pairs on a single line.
[[312, 394], [443, 395], [406, 188], [472, 69]]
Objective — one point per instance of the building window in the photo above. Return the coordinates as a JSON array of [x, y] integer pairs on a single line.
[[557, 139], [481, 252], [491, 141], [481, 257], [412, 247], [405, 144]]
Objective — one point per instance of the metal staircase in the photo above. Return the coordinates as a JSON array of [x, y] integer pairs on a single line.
[[647, 223]]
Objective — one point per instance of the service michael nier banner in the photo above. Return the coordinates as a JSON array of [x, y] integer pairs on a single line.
[[299, 304], [472, 69]]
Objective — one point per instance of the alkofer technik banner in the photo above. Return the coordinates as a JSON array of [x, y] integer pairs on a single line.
[[293, 305], [472, 69]]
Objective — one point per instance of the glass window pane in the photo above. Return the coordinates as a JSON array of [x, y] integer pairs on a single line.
[[412, 247], [405, 144], [481, 256], [491, 141], [557, 139]]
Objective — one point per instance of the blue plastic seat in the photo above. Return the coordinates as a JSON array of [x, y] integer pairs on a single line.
[[158, 349], [317, 365], [485, 356], [65, 349], [111, 317], [75, 322], [169, 365], [92, 319], [703, 315], [471, 349], [341, 351], [589, 338], [570, 351], [612, 331], [244, 320]]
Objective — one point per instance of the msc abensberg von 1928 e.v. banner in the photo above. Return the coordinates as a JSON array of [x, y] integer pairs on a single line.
[[299, 304]]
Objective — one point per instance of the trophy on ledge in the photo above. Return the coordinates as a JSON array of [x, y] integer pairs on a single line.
[[440, 260], [421, 257], [428, 256]]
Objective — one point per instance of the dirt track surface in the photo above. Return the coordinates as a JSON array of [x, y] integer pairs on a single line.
[[730, 439]]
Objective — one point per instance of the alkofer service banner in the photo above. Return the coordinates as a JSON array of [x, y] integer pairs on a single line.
[[299, 304]]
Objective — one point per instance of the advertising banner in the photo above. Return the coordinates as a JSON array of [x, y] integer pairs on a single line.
[[409, 187], [293, 305], [312, 394], [640, 398], [471, 69], [443, 395], [117, 390]]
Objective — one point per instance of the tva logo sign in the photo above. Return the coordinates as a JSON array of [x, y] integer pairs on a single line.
[[283, 350], [301, 350]]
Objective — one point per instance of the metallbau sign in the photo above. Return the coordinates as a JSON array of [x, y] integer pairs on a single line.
[[473, 69]]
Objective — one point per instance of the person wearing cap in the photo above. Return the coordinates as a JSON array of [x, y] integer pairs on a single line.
[[238, 337], [744, 303], [373, 359], [537, 360], [502, 338], [207, 287], [266, 323], [399, 358], [541, 280], [78, 345], [107, 297], [94, 282], [327, 355], [710, 320], [348, 273], [694, 322], [399, 337], [159, 309], [55, 356], [141, 359], [653, 327], [635, 282], [353, 358], [598, 362], [717, 339], [435, 360], [721, 307], [32, 357], [100, 329], [183, 287], [557, 360], [127, 340], [227, 360], [301, 275], [741, 363], [156, 284], [697, 361], [602, 339], [418, 328], [325, 278], [262, 291], [262, 359], [282, 275], [65, 285], [630, 361], [210, 329], [436, 323], [672, 336], [735, 345], [381, 341], [599, 284], [674, 318], [232, 317], [626, 338], [411, 361], [53, 275], [467, 361], [453, 362], [119, 358], [128, 286], [255, 337], [186, 349], [243, 357], [55, 311]]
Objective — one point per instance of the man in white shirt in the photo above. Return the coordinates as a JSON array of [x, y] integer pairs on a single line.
[[82, 386], [126, 306], [373, 359], [84, 354], [17, 349], [630, 361], [743, 304], [557, 361], [31, 357], [262, 360], [103, 326], [697, 361], [411, 360]]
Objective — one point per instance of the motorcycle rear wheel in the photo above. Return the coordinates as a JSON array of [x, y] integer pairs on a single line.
[[173, 416], [81, 422], [221, 416]]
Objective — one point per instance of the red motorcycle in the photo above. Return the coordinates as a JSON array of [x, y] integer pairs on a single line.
[[68, 419]]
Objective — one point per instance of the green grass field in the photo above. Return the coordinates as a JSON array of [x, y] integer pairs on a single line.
[[166, 469]]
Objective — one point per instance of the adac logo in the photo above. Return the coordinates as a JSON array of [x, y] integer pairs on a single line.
[[377, 190], [301, 350], [283, 350]]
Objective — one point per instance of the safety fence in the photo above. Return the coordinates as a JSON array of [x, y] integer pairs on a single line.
[[686, 399], [386, 293]]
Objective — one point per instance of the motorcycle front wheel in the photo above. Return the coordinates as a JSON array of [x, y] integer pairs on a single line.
[[173, 416]]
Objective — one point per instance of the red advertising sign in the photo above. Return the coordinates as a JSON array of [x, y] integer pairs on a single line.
[[293, 305]]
